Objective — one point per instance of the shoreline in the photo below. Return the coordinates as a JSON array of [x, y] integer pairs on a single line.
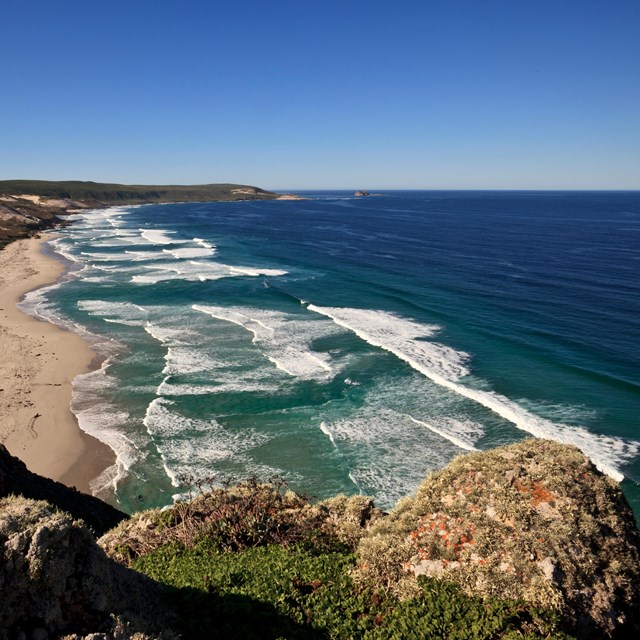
[[39, 362]]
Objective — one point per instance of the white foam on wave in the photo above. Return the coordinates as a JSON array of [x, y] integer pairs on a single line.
[[104, 422], [192, 270], [386, 456], [186, 360], [227, 384], [186, 355], [181, 358], [285, 338], [111, 243], [191, 252], [400, 336], [397, 335], [127, 233], [103, 257], [192, 447], [327, 432], [126, 313], [141, 256], [168, 335], [36, 303], [254, 271], [462, 433], [204, 243], [63, 247], [161, 236]]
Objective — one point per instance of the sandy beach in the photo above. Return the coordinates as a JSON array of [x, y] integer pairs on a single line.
[[39, 361]]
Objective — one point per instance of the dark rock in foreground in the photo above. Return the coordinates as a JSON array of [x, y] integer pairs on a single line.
[[534, 521], [16, 479], [55, 580]]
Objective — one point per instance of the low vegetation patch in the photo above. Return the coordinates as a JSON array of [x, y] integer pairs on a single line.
[[296, 592], [249, 514]]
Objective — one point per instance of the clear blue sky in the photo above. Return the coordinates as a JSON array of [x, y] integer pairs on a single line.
[[297, 94]]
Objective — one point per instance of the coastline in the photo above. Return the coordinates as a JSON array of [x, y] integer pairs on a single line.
[[39, 362]]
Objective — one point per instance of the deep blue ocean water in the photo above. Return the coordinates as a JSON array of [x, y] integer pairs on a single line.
[[353, 344]]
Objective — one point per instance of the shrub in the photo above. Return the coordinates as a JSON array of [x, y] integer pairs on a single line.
[[249, 514]]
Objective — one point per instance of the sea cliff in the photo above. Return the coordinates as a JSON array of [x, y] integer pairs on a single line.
[[529, 540]]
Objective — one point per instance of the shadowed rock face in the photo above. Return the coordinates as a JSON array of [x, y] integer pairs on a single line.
[[533, 521], [55, 580], [16, 479]]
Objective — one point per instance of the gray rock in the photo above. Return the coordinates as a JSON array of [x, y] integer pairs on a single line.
[[56, 580]]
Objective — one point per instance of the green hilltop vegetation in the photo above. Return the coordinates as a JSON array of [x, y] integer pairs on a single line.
[[106, 193], [28, 206]]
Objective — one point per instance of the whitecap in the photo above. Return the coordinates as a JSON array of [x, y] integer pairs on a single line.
[[284, 338], [104, 422], [193, 447], [126, 313], [443, 366], [198, 271], [190, 252]]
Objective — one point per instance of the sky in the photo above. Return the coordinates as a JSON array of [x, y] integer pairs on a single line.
[[403, 94]]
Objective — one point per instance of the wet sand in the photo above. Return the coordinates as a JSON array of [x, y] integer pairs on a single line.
[[38, 361]]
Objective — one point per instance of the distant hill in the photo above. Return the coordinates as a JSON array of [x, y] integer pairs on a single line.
[[101, 192], [27, 206]]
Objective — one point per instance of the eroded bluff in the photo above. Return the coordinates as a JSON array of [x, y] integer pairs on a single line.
[[534, 521]]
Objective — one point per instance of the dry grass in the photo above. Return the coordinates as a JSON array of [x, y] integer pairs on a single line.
[[249, 514]]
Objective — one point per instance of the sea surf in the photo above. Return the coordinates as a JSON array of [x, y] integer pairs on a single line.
[[352, 344]]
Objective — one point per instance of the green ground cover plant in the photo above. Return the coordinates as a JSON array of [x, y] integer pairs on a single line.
[[296, 592]]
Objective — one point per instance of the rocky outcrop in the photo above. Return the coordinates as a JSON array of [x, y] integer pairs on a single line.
[[55, 581], [16, 479], [534, 521], [21, 217]]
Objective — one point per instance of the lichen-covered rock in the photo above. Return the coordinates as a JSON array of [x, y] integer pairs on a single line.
[[55, 580], [534, 521]]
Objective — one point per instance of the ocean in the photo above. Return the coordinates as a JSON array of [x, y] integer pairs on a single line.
[[352, 344]]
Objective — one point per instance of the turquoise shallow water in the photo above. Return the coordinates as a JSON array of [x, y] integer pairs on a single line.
[[352, 344]]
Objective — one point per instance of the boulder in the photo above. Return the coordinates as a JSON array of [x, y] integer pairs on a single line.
[[55, 580], [534, 521]]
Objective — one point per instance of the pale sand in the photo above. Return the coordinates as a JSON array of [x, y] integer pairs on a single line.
[[38, 361]]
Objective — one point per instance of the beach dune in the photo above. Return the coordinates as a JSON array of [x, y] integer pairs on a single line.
[[38, 362]]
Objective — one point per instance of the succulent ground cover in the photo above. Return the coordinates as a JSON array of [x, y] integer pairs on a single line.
[[293, 592]]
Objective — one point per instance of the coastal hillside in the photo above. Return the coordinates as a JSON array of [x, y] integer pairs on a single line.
[[27, 206], [525, 541], [102, 193]]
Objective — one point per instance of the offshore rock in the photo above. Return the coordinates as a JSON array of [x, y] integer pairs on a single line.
[[534, 521], [55, 580]]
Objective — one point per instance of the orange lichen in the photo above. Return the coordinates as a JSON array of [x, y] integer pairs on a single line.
[[536, 490]]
